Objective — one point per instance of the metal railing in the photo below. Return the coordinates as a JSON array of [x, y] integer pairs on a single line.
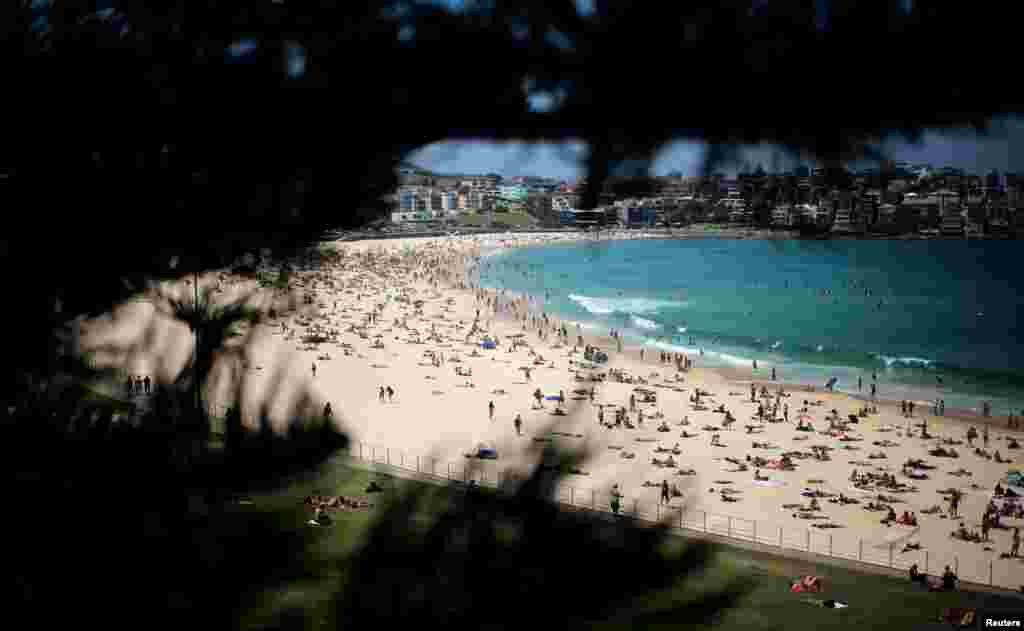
[[1003, 573]]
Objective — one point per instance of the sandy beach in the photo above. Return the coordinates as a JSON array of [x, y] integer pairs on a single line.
[[388, 310]]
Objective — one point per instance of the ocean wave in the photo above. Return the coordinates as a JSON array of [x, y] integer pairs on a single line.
[[722, 358], [644, 323], [905, 362], [605, 306]]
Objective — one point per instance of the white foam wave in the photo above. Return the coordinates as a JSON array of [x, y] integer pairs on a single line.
[[644, 323], [905, 361], [725, 358], [605, 306]]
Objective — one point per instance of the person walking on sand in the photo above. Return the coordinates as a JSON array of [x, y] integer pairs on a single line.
[[665, 497], [314, 369], [146, 383], [1015, 545], [490, 410], [984, 436], [616, 499], [391, 393], [518, 423], [381, 394]]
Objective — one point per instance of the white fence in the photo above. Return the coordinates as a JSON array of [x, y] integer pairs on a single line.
[[1005, 573]]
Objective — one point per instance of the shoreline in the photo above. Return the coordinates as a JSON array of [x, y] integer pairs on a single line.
[[964, 404]]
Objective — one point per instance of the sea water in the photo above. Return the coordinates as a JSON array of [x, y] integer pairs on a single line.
[[931, 319]]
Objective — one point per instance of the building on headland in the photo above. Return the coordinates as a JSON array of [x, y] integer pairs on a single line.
[[783, 216], [634, 214], [571, 217], [894, 199]]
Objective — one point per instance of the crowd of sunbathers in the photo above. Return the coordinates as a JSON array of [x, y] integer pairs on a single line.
[[868, 479]]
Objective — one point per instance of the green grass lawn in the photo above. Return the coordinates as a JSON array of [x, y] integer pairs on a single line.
[[875, 601]]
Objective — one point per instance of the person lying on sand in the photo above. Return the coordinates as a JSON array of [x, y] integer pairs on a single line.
[[842, 499], [907, 519]]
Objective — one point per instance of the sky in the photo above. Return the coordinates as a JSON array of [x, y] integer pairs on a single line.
[[1003, 151]]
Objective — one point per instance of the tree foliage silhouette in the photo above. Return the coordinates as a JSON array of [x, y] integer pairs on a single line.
[[148, 135]]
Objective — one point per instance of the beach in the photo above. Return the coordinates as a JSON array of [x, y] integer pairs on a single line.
[[386, 311]]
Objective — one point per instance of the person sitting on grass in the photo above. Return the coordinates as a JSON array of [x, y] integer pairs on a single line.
[[915, 575], [949, 580], [321, 517]]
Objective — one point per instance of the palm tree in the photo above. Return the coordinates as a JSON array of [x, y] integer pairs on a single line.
[[212, 325]]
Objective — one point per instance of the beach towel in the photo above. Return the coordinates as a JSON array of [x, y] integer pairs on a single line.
[[551, 397], [770, 483], [1015, 478], [807, 583]]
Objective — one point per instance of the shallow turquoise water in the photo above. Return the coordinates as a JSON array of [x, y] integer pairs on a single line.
[[909, 311]]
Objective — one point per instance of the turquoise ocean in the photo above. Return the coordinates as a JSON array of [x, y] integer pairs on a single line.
[[931, 319]]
